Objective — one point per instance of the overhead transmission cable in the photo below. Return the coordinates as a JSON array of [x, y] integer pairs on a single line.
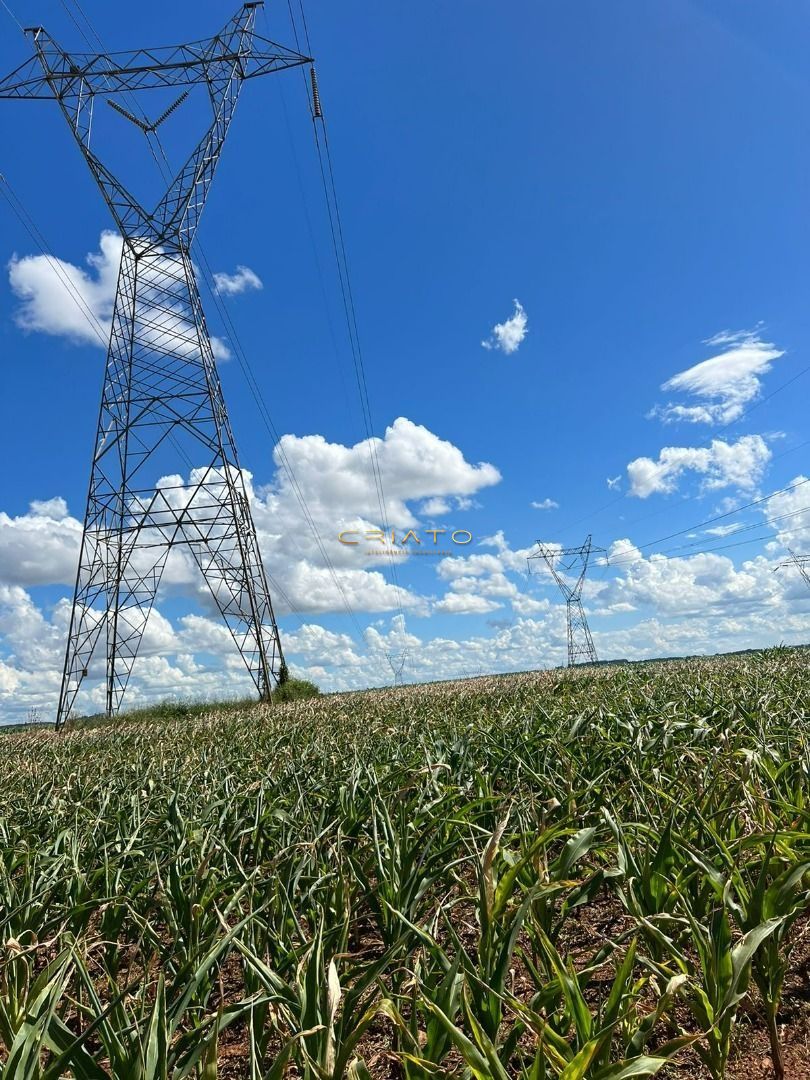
[[722, 517], [750, 527], [342, 263], [13, 16], [636, 559], [316, 257], [663, 509], [630, 559]]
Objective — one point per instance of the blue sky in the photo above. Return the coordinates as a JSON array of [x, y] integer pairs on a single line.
[[635, 175]]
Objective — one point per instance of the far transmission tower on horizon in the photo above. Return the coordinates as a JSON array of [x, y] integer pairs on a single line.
[[565, 564], [396, 661]]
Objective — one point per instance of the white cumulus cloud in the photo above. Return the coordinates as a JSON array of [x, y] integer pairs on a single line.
[[41, 547], [414, 462], [701, 603], [463, 603], [681, 585], [789, 513], [724, 530], [69, 301], [738, 464], [508, 335], [64, 300], [545, 504], [435, 507], [243, 280]]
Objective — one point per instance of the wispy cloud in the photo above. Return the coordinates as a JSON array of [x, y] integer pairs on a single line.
[[724, 385], [724, 530], [545, 504], [508, 335], [243, 280]]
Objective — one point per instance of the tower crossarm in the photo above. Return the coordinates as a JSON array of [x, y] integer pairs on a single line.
[[222, 63], [179, 210], [800, 562], [143, 69], [560, 559]]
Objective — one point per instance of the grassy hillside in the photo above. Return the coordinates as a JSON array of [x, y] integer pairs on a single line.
[[593, 874]]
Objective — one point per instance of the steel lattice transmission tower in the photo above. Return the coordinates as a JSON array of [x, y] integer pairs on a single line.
[[802, 564], [161, 395], [573, 562], [396, 661]]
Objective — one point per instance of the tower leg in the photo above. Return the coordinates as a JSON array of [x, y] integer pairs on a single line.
[[162, 397], [580, 643]]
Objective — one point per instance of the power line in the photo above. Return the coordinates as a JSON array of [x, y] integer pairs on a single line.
[[666, 508], [704, 551], [339, 366], [718, 547], [750, 527], [264, 413], [727, 514], [13, 16], [18, 208], [341, 259]]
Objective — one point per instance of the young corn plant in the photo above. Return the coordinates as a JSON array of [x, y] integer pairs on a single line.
[[576, 1041], [772, 893], [318, 1021], [718, 981]]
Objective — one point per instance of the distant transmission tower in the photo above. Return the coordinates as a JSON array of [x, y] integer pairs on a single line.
[[161, 399], [474, 673], [801, 562], [562, 561], [396, 662]]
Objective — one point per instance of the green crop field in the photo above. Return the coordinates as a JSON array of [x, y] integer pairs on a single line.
[[597, 874]]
